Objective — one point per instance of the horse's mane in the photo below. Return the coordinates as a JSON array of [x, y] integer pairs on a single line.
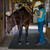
[[23, 8]]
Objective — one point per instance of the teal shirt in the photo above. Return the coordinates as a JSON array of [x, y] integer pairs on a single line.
[[41, 19]]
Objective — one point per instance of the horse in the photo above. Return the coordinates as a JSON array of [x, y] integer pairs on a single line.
[[21, 17]]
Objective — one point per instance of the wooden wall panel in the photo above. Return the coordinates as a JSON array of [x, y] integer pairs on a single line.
[[1, 27], [2, 19], [1, 7], [48, 29], [29, 1], [49, 5], [26, 0], [48, 32]]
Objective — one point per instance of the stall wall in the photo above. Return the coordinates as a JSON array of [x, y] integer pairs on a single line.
[[3, 10], [1, 21], [48, 26]]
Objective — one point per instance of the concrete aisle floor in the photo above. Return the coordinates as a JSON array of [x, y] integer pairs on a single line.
[[5, 48], [7, 40], [4, 45], [33, 39]]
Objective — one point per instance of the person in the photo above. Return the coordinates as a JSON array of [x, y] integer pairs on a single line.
[[40, 19]]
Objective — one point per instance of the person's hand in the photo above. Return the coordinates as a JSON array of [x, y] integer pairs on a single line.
[[33, 14], [36, 14]]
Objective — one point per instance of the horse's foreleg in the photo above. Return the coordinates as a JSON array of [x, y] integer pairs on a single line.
[[26, 33], [20, 33]]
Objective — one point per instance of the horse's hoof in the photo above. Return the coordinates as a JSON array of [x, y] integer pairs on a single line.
[[20, 43], [27, 43]]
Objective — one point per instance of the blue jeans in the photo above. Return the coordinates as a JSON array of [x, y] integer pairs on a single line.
[[40, 28]]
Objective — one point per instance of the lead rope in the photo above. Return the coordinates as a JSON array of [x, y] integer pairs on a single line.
[[14, 21], [20, 18]]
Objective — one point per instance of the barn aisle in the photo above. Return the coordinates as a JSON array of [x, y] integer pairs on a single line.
[[33, 39], [6, 41]]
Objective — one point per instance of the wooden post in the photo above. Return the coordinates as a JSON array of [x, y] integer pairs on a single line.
[[10, 6], [47, 28], [2, 22]]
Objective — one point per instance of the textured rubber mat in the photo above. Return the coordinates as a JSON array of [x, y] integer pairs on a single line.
[[33, 39]]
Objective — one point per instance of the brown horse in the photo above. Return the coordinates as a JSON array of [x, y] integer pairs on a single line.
[[21, 18]]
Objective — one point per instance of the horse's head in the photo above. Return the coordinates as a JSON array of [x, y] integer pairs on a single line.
[[9, 21]]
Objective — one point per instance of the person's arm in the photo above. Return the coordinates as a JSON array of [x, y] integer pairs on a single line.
[[40, 16]]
